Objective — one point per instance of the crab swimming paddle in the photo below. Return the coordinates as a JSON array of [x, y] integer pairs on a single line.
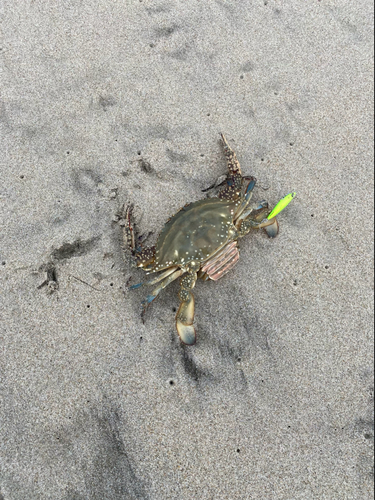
[[281, 205]]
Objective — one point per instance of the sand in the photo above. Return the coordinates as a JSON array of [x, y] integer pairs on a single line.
[[105, 103]]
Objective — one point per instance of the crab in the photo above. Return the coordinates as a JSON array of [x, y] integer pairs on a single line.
[[200, 241]]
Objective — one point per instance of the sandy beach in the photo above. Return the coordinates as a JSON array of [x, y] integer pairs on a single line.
[[110, 103]]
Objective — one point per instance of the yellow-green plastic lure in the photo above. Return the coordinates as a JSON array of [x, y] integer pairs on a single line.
[[281, 205]]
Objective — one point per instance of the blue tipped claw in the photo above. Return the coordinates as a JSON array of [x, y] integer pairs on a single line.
[[250, 188], [134, 287], [147, 301], [150, 298], [145, 304]]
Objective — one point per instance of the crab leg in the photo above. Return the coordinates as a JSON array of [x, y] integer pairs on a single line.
[[271, 226], [258, 220], [152, 296], [233, 164], [141, 256], [185, 314], [129, 236], [234, 181], [155, 280], [257, 214], [246, 200]]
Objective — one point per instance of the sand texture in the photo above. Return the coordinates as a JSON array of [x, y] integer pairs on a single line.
[[110, 102]]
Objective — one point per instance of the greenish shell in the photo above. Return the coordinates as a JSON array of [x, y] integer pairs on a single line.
[[195, 233]]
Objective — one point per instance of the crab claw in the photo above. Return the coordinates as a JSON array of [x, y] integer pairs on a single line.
[[186, 333], [184, 321], [273, 229]]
